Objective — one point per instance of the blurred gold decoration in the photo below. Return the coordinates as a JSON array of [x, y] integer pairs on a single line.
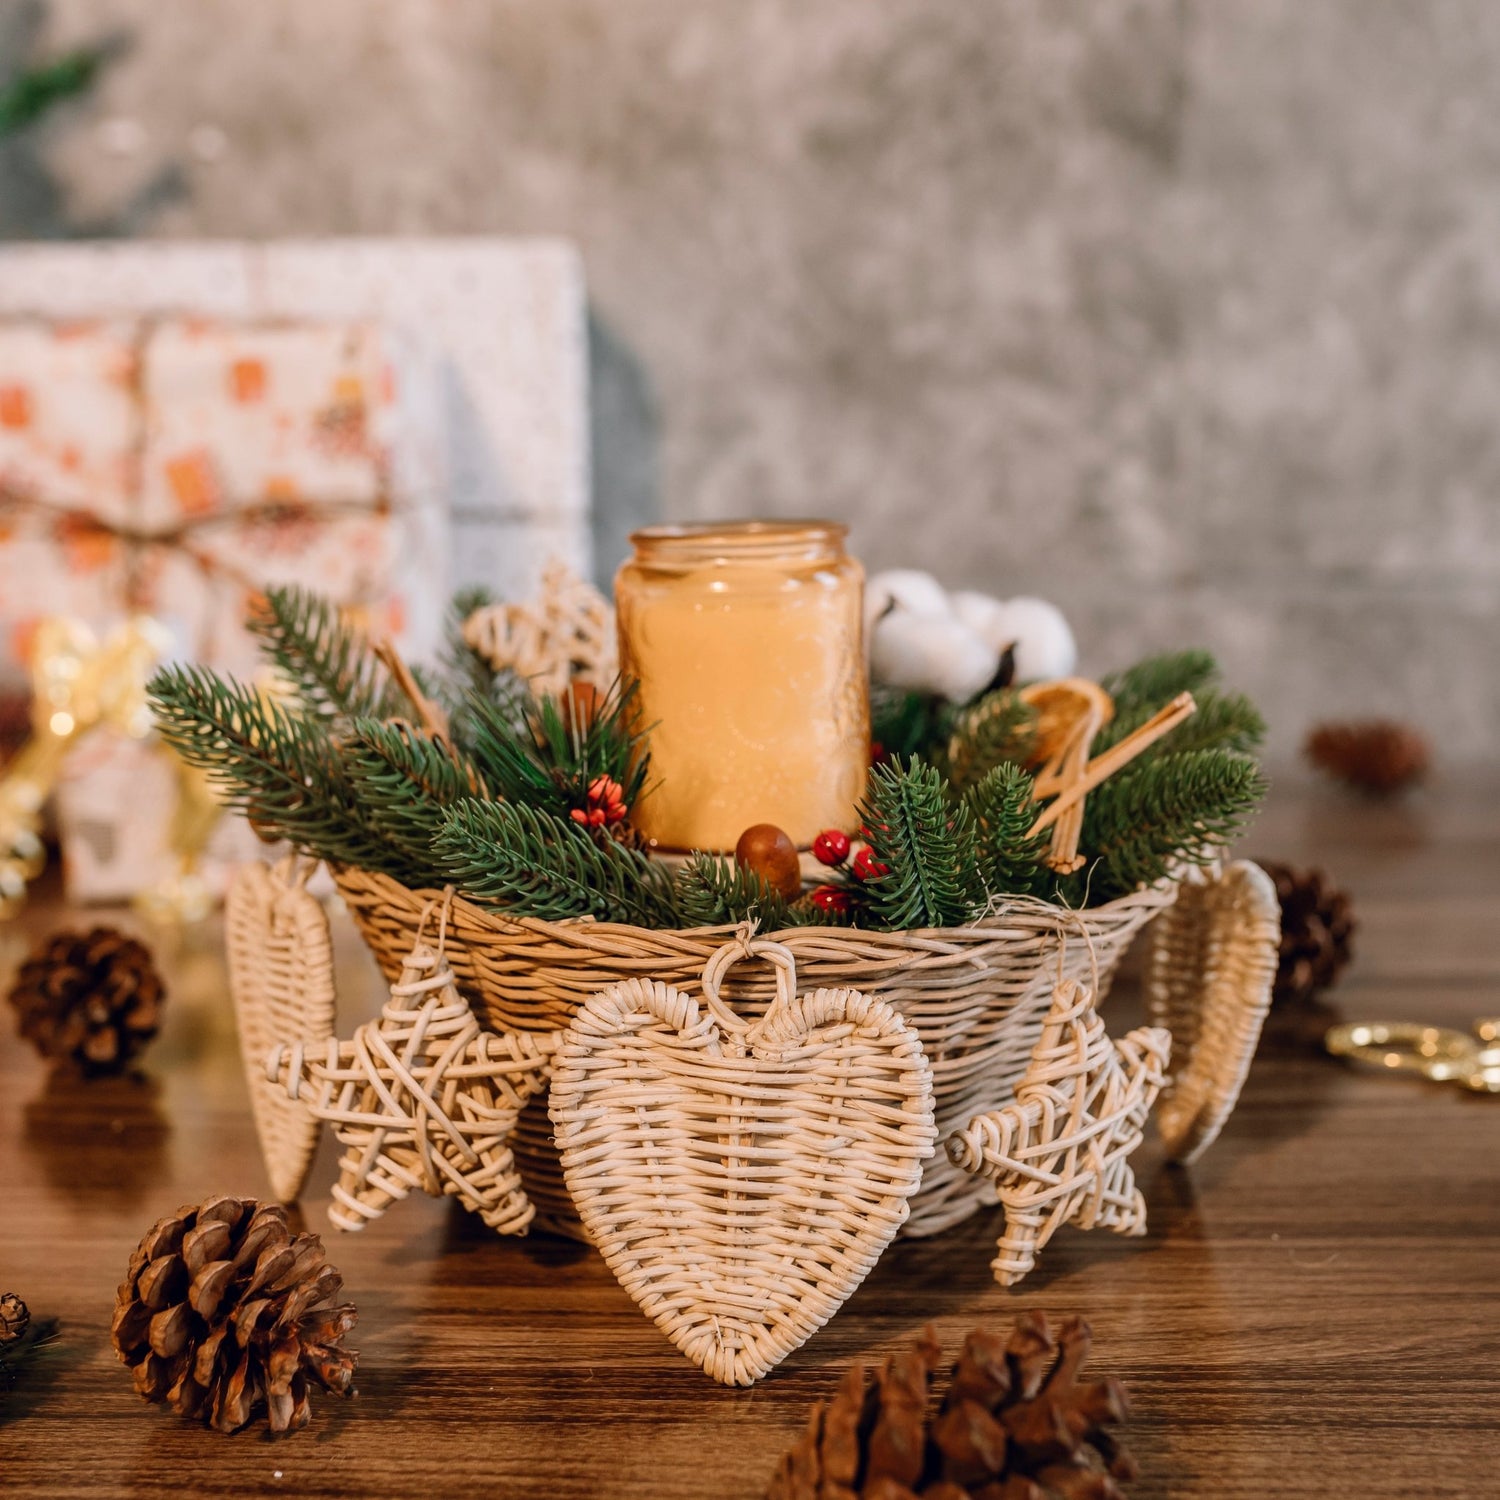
[[78, 684], [184, 895], [567, 631]]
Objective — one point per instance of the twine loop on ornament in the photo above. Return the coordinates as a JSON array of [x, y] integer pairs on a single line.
[[743, 946]]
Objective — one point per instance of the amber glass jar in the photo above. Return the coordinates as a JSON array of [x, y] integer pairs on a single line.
[[746, 640]]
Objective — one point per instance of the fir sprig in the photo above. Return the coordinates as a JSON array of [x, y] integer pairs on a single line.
[[280, 769], [903, 723], [998, 728], [925, 839], [1003, 807], [1158, 813], [325, 659], [404, 779], [713, 890], [1158, 679], [535, 864], [464, 675]]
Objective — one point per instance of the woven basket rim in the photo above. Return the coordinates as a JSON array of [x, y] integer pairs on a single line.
[[1026, 912]]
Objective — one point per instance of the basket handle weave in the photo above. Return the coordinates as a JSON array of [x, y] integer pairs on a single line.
[[744, 946]]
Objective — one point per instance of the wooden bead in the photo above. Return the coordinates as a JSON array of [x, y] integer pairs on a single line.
[[764, 848]]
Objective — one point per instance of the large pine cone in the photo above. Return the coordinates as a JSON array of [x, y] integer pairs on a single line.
[[1380, 757], [1015, 1424], [1317, 928], [224, 1311], [93, 997]]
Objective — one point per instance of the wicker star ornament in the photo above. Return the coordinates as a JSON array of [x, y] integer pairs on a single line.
[[421, 1098], [1061, 1151]]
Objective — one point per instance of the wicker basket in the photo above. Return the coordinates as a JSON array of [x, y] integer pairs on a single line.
[[976, 995]]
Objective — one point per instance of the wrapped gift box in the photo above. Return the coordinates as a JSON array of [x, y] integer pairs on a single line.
[[175, 467]]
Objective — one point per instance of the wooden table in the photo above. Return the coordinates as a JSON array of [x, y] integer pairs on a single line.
[[1314, 1311]]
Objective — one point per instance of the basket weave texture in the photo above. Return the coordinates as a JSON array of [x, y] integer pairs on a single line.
[[976, 996]]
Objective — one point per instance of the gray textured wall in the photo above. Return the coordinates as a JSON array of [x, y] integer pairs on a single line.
[[1183, 312]]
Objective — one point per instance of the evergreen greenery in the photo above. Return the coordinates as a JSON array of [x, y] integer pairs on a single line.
[[326, 661], [404, 779], [1003, 808], [1160, 812], [535, 864], [1158, 679], [925, 838], [30, 95], [992, 731], [712, 890], [904, 723], [349, 773], [281, 769]]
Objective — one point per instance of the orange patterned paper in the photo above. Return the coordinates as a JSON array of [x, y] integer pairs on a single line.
[[15, 406], [194, 484], [247, 379]]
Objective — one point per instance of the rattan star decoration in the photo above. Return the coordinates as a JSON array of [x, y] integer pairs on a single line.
[[566, 632], [421, 1098], [1062, 1151]]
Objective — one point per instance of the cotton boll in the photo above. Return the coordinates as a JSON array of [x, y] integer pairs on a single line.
[[1044, 644], [930, 653], [906, 589]]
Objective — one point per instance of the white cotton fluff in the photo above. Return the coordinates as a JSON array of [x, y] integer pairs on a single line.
[[1044, 644], [929, 651]]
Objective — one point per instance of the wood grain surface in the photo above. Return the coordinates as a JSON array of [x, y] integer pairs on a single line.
[[1315, 1310]]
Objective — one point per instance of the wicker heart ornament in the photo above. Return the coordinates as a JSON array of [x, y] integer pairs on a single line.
[[741, 1177], [281, 981]]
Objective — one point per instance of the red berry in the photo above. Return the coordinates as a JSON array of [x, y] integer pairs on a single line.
[[832, 899], [832, 847], [867, 867]]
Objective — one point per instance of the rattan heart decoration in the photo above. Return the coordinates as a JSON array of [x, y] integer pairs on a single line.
[[1209, 971], [741, 1177], [281, 981]]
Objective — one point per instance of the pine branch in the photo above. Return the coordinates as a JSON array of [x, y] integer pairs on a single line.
[[279, 769], [1151, 683], [1003, 808], [463, 673], [404, 779], [602, 742], [904, 723], [997, 728], [1161, 812], [328, 662], [712, 891], [535, 864], [505, 755], [926, 839]]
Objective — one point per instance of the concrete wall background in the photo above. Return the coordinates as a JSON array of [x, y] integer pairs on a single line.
[[1185, 313]]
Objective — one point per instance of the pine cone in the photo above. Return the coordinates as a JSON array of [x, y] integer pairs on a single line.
[[1015, 1424], [15, 1319], [1317, 924], [92, 997], [223, 1311], [1380, 756]]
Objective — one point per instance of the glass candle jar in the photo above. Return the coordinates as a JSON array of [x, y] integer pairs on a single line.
[[746, 639]]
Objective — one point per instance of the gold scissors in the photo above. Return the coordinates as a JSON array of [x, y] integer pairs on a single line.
[[1468, 1058]]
